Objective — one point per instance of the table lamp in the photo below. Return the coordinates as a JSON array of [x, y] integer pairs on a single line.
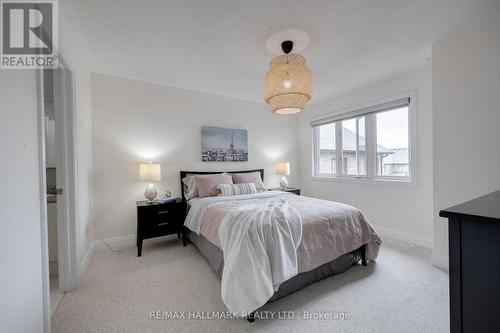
[[283, 169], [150, 172]]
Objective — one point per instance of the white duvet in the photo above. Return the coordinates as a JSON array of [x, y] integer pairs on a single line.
[[198, 206], [260, 244]]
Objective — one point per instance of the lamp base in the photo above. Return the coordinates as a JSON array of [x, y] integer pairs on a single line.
[[284, 183], [150, 193]]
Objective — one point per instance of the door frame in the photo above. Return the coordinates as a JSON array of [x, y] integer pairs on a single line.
[[67, 231]]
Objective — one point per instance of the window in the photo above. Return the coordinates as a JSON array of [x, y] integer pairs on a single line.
[[370, 143]]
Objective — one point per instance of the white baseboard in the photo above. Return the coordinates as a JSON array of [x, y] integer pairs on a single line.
[[440, 261], [88, 254], [403, 236]]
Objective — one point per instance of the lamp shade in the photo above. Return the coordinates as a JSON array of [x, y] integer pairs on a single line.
[[283, 169], [150, 172], [288, 84]]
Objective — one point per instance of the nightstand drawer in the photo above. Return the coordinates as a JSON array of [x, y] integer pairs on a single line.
[[160, 228], [165, 215], [160, 215], [161, 219]]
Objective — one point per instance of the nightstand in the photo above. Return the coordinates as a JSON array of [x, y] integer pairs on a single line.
[[288, 189], [160, 219]]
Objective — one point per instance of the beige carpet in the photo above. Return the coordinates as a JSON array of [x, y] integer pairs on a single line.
[[402, 292]]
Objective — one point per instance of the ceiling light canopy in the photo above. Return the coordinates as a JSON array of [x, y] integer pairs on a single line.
[[288, 82]]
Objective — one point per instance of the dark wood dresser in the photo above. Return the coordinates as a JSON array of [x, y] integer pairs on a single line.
[[474, 243], [160, 219]]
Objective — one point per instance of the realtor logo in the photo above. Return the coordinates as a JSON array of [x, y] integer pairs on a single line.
[[29, 34]]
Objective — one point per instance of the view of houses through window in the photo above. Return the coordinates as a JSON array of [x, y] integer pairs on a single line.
[[392, 143], [391, 137]]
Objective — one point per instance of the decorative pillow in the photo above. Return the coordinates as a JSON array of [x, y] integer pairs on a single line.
[[235, 189], [189, 188], [207, 184], [249, 177]]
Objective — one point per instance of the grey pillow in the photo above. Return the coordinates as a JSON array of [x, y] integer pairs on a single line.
[[207, 184], [249, 177]]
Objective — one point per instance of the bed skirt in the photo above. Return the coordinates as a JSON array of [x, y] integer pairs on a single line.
[[215, 258]]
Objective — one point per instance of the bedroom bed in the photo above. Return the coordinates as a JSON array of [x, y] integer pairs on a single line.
[[334, 236]]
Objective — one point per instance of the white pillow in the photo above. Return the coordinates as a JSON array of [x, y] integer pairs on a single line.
[[190, 189], [236, 189]]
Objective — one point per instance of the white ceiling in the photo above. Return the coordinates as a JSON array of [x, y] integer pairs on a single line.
[[219, 46]]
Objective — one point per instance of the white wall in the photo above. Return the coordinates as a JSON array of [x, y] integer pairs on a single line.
[[134, 122], [397, 211], [466, 88], [20, 228], [75, 53]]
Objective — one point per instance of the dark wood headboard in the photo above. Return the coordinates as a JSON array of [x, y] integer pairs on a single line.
[[185, 173]]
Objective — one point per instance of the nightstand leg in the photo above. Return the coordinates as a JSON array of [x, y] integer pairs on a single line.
[[139, 248], [184, 238]]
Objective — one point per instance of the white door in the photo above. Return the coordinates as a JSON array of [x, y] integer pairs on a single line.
[[65, 158]]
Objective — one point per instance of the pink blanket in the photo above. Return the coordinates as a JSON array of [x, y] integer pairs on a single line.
[[329, 229]]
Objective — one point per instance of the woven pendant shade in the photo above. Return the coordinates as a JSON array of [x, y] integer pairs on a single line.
[[288, 84]]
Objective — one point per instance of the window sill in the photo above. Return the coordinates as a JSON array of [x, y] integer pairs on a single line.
[[371, 181]]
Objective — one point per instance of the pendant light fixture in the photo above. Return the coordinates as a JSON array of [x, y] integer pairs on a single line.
[[288, 82]]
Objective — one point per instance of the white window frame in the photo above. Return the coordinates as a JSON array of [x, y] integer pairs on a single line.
[[371, 145]]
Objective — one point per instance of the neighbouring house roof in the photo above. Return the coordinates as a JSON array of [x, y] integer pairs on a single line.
[[327, 141]]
